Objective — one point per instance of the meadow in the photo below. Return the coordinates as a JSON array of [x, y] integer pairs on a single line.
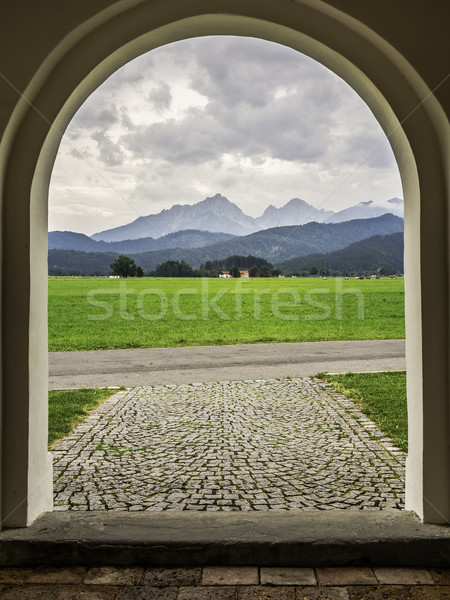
[[100, 313]]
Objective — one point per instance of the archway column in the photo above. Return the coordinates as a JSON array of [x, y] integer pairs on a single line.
[[26, 465], [427, 285]]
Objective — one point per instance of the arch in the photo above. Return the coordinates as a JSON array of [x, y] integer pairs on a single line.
[[84, 50]]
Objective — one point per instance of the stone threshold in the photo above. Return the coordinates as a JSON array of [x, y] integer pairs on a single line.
[[275, 539]]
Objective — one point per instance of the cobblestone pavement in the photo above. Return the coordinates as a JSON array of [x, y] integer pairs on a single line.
[[289, 444]]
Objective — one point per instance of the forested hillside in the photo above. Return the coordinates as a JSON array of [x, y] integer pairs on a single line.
[[379, 251]]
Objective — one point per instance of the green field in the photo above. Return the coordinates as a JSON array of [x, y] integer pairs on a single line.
[[90, 313]]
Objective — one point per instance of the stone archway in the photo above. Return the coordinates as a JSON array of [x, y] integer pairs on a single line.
[[76, 50]]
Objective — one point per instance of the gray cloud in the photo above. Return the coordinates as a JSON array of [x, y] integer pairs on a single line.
[[125, 119], [263, 101], [236, 71], [80, 153], [161, 97], [109, 152], [130, 74], [286, 129], [96, 115]]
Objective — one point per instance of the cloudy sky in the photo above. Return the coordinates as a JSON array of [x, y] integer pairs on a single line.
[[252, 120]]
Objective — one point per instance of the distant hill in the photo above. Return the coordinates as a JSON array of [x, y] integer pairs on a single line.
[[77, 262], [189, 238], [68, 240], [218, 214], [365, 256]]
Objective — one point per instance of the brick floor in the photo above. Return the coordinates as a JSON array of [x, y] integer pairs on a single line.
[[266, 593], [287, 576], [230, 576], [147, 593], [114, 576], [265, 583], [185, 577], [403, 576], [323, 594], [346, 576], [50, 575], [207, 593], [440, 576]]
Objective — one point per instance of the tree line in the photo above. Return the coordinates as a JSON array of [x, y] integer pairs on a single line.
[[256, 266], [124, 266]]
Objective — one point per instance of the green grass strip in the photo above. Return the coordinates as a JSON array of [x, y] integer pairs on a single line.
[[68, 408], [380, 396]]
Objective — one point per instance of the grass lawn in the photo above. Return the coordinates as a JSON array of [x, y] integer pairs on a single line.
[[68, 408], [101, 313], [380, 396]]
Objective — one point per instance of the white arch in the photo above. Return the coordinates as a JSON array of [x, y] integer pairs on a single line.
[[84, 57]]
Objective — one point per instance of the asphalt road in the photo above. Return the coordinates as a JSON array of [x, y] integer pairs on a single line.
[[152, 366]]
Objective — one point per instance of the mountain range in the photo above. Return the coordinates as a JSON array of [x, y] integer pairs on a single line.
[[218, 214], [216, 228], [280, 243], [276, 244]]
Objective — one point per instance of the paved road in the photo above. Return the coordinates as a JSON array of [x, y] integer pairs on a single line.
[[162, 366]]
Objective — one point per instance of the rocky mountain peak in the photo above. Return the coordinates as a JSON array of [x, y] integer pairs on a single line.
[[217, 214]]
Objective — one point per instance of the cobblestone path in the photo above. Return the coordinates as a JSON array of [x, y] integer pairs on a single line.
[[289, 444]]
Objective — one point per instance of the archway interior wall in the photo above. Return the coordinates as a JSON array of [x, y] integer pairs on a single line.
[[105, 48]]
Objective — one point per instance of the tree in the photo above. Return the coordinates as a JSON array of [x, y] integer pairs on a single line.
[[173, 268], [253, 271], [139, 272], [265, 271], [313, 271], [244, 262], [124, 266], [234, 272]]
